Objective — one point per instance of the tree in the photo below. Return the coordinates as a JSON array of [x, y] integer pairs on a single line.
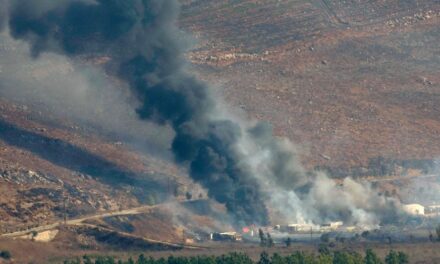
[[277, 259], [371, 257], [324, 259], [403, 258], [75, 261], [392, 258], [230, 258], [288, 242], [437, 231], [342, 257], [323, 249], [390, 240], [262, 237], [264, 258], [269, 240], [34, 234], [431, 237], [141, 259], [296, 258], [151, 199], [87, 260], [396, 258]]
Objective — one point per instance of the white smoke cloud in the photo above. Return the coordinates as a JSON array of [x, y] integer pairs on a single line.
[[297, 196], [87, 94], [78, 91]]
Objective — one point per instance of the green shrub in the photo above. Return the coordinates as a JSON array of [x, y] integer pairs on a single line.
[[343, 257], [394, 257], [371, 257]]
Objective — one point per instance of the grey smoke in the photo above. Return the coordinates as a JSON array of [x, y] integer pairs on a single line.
[[147, 53], [3, 13], [241, 164], [79, 92]]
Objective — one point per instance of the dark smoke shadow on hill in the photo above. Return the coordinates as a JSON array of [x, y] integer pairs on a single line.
[[72, 157]]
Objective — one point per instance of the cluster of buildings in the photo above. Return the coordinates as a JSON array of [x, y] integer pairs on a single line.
[[299, 228], [252, 232]]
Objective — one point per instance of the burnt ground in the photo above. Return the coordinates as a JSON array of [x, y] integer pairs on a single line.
[[48, 171], [346, 80]]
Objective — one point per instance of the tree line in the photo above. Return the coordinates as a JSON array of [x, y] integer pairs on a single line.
[[298, 257]]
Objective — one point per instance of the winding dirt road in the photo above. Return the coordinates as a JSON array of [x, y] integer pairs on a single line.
[[78, 221]]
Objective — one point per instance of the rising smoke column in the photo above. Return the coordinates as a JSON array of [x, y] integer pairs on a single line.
[[241, 164], [146, 51]]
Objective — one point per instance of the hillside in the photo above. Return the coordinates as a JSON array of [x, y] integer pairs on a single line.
[[355, 84], [346, 80], [48, 171]]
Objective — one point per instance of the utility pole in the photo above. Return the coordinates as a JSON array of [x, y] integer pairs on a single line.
[[183, 237], [63, 190], [65, 209]]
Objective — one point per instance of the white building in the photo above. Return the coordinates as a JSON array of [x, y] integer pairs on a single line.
[[299, 227], [414, 209], [332, 225]]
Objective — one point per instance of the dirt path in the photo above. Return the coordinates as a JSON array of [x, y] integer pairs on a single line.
[[398, 178], [77, 221], [80, 222]]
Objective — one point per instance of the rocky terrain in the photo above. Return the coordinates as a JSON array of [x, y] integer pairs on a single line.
[[355, 84], [47, 172]]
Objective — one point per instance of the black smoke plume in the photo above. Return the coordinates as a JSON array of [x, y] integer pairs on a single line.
[[145, 46], [240, 165]]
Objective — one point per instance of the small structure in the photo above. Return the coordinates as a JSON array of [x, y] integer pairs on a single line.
[[414, 209], [332, 225], [226, 236], [351, 229], [299, 227], [189, 241], [432, 210]]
